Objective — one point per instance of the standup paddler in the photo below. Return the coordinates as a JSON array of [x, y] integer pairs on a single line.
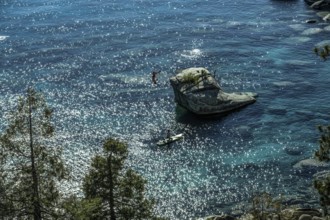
[[154, 77], [168, 134]]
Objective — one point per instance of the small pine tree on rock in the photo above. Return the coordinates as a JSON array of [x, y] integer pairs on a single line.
[[323, 52]]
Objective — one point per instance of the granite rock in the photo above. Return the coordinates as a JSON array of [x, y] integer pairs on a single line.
[[196, 90]]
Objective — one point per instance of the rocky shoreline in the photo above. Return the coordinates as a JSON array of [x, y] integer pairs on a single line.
[[318, 169], [285, 214], [289, 208]]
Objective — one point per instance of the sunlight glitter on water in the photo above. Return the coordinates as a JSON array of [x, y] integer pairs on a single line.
[[94, 66], [192, 54]]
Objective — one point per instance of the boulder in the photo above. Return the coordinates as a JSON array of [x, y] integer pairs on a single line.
[[295, 214], [319, 4], [275, 217], [196, 90], [317, 218], [247, 216], [322, 175], [305, 217], [218, 217], [310, 163]]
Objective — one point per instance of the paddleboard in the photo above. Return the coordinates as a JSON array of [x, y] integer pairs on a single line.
[[170, 140]]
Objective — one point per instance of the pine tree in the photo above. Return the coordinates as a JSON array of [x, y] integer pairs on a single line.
[[323, 153], [82, 209], [322, 183], [32, 165], [5, 204], [120, 190], [323, 52]]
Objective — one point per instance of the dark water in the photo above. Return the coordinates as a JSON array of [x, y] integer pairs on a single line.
[[93, 58]]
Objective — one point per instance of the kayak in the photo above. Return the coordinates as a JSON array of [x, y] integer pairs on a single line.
[[170, 139]]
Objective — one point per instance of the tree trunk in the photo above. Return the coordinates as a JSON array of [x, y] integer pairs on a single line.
[[35, 196], [111, 185], [325, 210]]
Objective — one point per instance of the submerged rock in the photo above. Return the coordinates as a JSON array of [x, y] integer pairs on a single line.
[[311, 21], [311, 31], [196, 90], [294, 151]]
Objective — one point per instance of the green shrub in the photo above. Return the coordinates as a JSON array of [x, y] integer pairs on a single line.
[[323, 52]]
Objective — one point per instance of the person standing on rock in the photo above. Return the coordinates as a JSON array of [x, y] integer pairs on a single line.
[[154, 77], [168, 134]]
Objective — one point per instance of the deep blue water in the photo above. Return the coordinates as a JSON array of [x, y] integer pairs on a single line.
[[93, 58]]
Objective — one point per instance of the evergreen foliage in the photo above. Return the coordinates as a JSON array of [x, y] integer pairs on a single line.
[[323, 52], [82, 209], [322, 184], [263, 203], [5, 203], [323, 153], [31, 165], [190, 78], [120, 189]]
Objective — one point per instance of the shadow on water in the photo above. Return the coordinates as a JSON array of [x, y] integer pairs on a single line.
[[186, 117], [284, 2]]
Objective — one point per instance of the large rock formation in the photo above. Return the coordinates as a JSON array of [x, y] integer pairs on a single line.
[[196, 90]]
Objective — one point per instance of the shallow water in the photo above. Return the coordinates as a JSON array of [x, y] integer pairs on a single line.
[[93, 59]]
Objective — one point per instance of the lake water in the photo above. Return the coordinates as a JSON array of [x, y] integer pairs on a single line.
[[93, 59]]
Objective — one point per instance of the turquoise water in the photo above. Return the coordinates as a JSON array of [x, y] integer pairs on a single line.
[[93, 59]]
